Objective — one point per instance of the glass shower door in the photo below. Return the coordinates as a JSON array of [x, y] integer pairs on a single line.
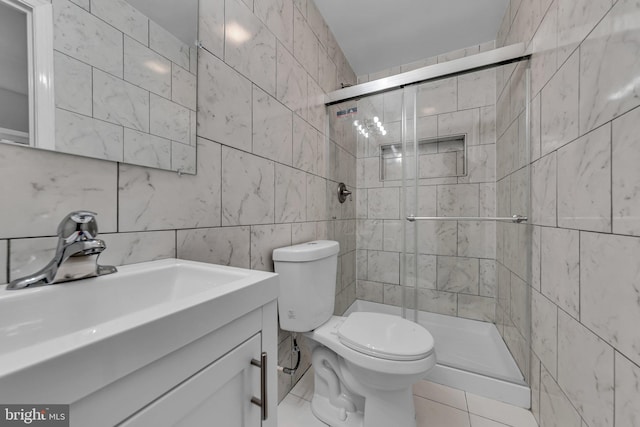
[[465, 151]]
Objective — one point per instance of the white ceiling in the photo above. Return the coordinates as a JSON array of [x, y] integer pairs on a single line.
[[379, 34]]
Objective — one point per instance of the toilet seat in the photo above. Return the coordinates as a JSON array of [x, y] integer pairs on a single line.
[[385, 336], [327, 335]]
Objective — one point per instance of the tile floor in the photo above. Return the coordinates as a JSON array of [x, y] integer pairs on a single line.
[[436, 406]]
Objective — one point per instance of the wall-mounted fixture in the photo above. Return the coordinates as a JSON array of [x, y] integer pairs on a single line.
[[343, 193]]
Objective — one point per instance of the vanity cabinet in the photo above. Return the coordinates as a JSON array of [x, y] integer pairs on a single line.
[[220, 395], [209, 382], [162, 343]]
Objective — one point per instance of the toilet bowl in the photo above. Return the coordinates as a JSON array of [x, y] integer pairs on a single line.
[[365, 366], [366, 363]]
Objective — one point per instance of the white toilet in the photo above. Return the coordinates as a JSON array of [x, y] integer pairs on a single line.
[[366, 363]]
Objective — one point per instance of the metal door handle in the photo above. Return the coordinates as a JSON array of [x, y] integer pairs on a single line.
[[515, 218], [262, 402]]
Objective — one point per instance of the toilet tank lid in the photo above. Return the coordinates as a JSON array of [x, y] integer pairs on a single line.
[[310, 251]]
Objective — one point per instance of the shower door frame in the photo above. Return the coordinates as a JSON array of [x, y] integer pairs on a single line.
[[407, 81], [496, 57], [410, 203]]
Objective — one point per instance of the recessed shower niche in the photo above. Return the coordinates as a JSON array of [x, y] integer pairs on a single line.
[[441, 157]]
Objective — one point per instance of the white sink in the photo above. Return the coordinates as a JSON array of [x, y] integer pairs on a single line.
[[102, 328]]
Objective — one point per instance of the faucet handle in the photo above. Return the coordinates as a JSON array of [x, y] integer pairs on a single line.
[[78, 225]]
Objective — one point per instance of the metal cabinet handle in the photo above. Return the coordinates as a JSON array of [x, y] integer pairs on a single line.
[[262, 402]]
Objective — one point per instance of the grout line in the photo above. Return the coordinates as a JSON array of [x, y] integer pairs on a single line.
[[466, 401], [221, 175], [579, 277], [558, 309], [611, 141], [557, 187], [118, 195], [8, 260], [442, 403], [614, 386]]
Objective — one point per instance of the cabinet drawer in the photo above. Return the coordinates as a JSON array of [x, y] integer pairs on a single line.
[[118, 401], [219, 395]]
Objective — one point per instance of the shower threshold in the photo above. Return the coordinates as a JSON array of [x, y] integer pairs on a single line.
[[471, 355]]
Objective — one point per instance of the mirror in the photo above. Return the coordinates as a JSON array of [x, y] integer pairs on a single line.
[[14, 71], [124, 79]]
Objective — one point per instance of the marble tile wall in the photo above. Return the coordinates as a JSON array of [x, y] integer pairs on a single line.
[[125, 87], [264, 164], [585, 355], [479, 93], [456, 261]]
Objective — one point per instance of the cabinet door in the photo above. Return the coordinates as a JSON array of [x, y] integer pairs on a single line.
[[219, 395]]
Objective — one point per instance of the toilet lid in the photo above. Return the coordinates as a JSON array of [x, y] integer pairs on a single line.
[[385, 336]]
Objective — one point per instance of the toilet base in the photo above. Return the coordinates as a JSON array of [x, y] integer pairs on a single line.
[[335, 417], [340, 400], [382, 412]]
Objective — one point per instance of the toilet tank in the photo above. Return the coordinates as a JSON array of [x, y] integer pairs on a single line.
[[307, 284]]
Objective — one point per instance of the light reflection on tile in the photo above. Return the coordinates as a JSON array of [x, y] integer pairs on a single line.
[[146, 68], [609, 67]]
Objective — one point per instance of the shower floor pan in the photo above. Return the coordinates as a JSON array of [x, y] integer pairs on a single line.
[[471, 355]]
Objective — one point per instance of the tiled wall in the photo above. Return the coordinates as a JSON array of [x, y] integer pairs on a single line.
[[125, 87], [265, 168], [585, 348], [444, 57], [456, 261]]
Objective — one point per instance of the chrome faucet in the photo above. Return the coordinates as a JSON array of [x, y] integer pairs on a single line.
[[76, 254]]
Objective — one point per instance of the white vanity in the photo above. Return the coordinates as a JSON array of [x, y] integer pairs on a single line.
[[161, 343]]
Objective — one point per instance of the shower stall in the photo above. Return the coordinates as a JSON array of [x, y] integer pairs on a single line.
[[441, 207]]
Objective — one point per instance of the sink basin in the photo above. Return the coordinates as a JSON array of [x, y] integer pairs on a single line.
[[153, 307], [102, 304]]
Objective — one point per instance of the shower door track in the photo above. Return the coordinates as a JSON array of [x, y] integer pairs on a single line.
[[501, 56]]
